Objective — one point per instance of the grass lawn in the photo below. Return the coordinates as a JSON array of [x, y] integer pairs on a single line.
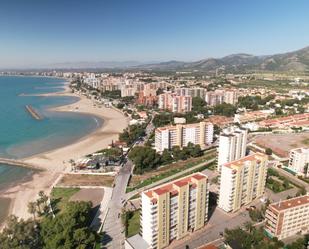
[[277, 186], [139, 181], [131, 221], [61, 196], [276, 182]]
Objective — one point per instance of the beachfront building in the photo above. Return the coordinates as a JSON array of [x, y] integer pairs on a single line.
[[288, 218], [181, 134], [242, 181], [174, 210], [299, 161], [91, 80], [232, 145], [175, 103]]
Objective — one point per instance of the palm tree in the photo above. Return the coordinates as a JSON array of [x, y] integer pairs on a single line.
[[43, 197], [32, 209]]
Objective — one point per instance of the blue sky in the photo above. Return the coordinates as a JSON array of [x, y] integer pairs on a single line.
[[42, 32]]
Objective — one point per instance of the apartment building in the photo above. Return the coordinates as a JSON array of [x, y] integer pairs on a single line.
[[173, 210], [181, 134], [242, 181], [252, 116], [232, 145], [220, 96], [213, 98], [193, 92], [175, 103], [230, 97], [287, 218], [299, 161]]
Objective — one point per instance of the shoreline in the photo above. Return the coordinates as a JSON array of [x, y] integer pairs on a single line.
[[56, 161]]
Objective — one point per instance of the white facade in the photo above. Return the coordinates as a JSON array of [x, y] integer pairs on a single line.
[[242, 181], [299, 160], [232, 145], [181, 135]]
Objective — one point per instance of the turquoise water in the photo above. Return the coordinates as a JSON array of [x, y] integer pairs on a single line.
[[21, 135]]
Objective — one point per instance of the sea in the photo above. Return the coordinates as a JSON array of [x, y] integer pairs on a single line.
[[22, 136]]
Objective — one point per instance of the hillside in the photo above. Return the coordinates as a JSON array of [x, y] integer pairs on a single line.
[[292, 61]]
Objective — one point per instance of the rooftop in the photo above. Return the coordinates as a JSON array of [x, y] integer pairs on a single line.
[[241, 161], [171, 187], [290, 203], [137, 242]]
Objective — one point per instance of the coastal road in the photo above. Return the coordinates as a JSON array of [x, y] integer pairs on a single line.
[[113, 229]]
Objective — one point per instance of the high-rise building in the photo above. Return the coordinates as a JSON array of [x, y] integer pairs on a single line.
[[230, 97], [232, 145], [219, 96], [299, 161], [175, 103], [287, 218], [181, 134], [193, 92], [173, 210], [242, 181], [213, 98]]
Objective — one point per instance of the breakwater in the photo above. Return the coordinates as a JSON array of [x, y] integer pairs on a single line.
[[33, 112], [19, 163]]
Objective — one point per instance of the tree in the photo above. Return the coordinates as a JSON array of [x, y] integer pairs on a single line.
[[32, 209], [20, 234], [225, 109], [65, 229], [268, 151], [166, 157], [249, 226], [301, 191], [144, 158], [198, 105]]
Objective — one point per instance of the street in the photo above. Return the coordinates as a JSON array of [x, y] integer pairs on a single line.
[[113, 229]]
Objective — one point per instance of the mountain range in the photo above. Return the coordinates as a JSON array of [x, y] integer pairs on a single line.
[[291, 61]]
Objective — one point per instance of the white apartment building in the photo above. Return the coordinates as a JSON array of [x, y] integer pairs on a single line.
[[242, 181], [220, 96], [193, 92], [181, 134], [299, 161], [232, 145], [230, 97], [288, 218], [92, 81], [174, 210]]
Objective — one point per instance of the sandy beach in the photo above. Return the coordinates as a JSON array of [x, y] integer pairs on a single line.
[[56, 162]]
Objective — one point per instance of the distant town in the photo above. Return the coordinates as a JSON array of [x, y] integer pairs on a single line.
[[207, 161]]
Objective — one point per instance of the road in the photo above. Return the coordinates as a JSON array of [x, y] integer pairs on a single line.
[[113, 229], [218, 221]]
